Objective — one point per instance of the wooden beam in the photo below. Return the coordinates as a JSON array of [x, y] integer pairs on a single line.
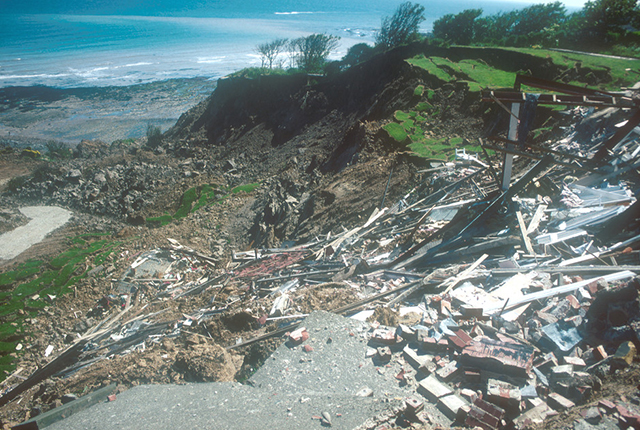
[[523, 232], [566, 270], [623, 132], [536, 157], [561, 99]]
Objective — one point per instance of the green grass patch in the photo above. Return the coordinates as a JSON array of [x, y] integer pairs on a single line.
[[207, 195], [408, 125], [423, 107], [27, 286], [396, 132], [158, 221], [431, 66], [419, 91], [186, 203], [401, 116], [479, 74], [483, 76], [196, 198], [430, 94], [23, 271], [431, 148], [620, 76], [245, 188]]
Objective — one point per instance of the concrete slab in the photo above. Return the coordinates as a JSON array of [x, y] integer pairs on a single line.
[[338, 366], [451, 404], [432, 389]]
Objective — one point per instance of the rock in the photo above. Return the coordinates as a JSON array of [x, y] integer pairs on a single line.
[[592, 415], [74, 175], [68, 398], [625, 353], [230, 165], [91, 149], [365, 392]]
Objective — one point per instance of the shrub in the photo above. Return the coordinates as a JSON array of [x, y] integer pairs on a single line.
[[402, 27], [57, 149], [154, 136]]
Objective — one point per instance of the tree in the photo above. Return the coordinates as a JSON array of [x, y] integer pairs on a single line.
[[269, 51], [457, 28], [401, 27], [535, 18], [310, 53], [493, 29], [608, 17], [357, 54]]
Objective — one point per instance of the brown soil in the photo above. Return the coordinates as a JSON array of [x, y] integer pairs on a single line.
[[323, 164]]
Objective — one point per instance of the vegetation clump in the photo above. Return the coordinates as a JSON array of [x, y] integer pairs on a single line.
[[154, 136], [58, 150], [35, 284], [600, 26], [198, 197], [401, 27]]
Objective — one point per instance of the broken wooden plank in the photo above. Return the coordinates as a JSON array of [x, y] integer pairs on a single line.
[[537, 217], [67, 358], [452, 282], [568, 270], [564, 289], [523, 232], [603, 152]]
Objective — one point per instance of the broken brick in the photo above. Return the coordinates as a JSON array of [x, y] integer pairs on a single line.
[[298, 336], [384, 336], [433, 389], [499, 357], [599, 353], [559, 403]]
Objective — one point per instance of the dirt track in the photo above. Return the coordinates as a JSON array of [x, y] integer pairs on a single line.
[[43, 220]]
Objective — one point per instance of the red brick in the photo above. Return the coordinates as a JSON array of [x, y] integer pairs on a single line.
[[608, 405], [557, 402], [600, 353]]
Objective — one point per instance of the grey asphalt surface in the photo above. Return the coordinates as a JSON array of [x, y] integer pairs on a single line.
[[290, 391]]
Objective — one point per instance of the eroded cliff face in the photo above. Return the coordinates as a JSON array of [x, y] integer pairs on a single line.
[[315, 142], [324, 114]]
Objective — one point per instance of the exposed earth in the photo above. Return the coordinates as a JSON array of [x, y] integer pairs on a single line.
[[286, 162]]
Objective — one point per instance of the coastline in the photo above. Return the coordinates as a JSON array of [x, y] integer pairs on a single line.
[[31, 116]]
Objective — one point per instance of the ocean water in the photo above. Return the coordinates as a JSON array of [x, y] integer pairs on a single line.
[[76, 46]]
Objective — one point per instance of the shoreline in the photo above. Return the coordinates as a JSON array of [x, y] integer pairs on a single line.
[[34, 115]]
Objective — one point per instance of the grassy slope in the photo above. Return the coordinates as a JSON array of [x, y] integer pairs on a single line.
[[409, 127]]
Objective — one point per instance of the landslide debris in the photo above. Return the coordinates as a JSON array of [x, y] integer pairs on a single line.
[[322, 162]]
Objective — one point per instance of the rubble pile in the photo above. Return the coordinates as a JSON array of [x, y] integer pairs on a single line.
[[501, 305], [107, 180]]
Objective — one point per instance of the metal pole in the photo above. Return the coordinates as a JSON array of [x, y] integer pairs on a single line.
[[513, 135]]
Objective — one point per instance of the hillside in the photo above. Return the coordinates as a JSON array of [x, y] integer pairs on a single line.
[[259, 166]]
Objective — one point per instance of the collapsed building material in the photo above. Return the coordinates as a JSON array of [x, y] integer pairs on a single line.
[[428, 274], [507, 358]]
